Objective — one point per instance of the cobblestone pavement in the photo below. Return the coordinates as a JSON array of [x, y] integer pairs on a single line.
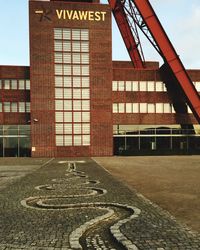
[[75, 204]]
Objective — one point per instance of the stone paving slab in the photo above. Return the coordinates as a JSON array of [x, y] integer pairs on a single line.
[[76, 204]]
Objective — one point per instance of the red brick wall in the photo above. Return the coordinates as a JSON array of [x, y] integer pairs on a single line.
[[14, 72], [11, 95], [123, 71]]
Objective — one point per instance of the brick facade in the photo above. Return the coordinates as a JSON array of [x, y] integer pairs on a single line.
[[42, 79], [12, 95]]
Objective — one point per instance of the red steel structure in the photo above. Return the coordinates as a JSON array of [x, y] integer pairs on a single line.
[[132, 43], [141, 13]]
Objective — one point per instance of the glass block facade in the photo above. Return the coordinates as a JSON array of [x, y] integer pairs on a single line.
[[72, 87]]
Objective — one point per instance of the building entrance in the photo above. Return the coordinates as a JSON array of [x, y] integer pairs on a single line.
[[157, 141], [15, 141]]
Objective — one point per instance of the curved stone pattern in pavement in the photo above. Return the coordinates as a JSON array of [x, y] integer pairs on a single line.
[[81, 206], [78, 238]]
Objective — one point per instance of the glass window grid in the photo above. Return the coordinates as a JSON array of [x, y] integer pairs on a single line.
[[74, 80], [15, 84], [151, 108], [15, 107], [147, 86]]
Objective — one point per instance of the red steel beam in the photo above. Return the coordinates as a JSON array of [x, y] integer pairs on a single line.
[[126, 33], [169, 55]]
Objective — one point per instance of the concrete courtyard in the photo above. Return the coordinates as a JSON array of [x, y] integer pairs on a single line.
[[172, 182]]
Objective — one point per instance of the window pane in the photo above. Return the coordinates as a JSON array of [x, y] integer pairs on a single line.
[[1, 110], [77, 140], [128, 107], [135, 107], [6, 106], [84, 47], [77, 105], [27, 84], [173, 110], [135, 86], [85, 105], [143, 107], [66, 46], [167, 108], [6, 84], [85, 128], [76, 70], [197, 85], [77, 128], [59, 129], [67, 117], [85, 58], [85, 70], [58, 57], [67, 93], [85, 82], [76, 47], [58, 46], [85, 117], [13, 84], [67, 70], [67, 105], [59, 140], [128, 86], [68, 140], [85, 93], [21, 84], [58, 33], [67, 34], [68, 129], [77, 117], [67, 81], [159, 107], [28, 108], [121, 108], [58, 69], [115, 107], [159, 86], [59, 105], [76, 34], [84, 34], [22, 107], [151, 108], [121, 85], [150, 86], [189, 110], [76, 93], [14, 107], [76, 58], [59, 117], [67, 58], [76, 82], [59, 93], [86, 140], [58, 81], [143, 86], [114, 85]]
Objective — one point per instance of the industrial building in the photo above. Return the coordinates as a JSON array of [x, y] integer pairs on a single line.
[[74, 100]]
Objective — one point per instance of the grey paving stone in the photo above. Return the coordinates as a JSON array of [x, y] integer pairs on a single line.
[[59, 200]]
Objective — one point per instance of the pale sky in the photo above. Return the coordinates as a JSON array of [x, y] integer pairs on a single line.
[[180, 19]]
